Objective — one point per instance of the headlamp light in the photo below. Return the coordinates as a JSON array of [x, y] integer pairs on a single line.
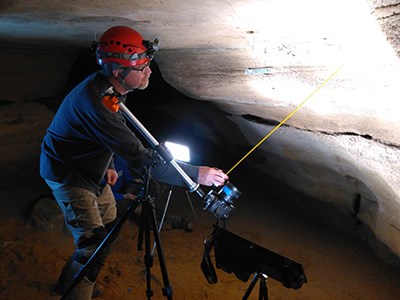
[[152, 47]]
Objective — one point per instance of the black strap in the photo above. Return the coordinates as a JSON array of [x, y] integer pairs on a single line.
[[206, 264]]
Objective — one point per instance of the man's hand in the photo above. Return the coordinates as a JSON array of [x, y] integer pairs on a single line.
[[129, 196], [211, 176], [111, 176]]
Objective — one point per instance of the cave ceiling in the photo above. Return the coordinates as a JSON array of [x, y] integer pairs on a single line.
[[260, 58]]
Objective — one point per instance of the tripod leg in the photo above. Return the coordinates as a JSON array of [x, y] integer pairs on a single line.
[[163, 216], [141, 229], [148, 257], [167, 289], [251, 287], [263, 288]]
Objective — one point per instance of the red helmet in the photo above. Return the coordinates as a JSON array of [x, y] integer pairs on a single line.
[[125, 46]]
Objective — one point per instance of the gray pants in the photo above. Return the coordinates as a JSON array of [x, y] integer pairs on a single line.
[[84, 214]]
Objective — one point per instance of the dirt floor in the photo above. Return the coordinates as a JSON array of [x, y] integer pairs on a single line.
[[337, 266]]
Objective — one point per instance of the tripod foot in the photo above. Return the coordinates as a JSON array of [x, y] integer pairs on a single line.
[[167, 291]]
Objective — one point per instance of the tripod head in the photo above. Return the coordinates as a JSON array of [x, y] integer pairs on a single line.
[[220, 203]]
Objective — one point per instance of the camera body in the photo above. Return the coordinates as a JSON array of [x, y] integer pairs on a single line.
[[220, 203]]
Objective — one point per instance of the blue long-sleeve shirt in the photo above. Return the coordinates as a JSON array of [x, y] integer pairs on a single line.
[[84, 135], [124, 178]]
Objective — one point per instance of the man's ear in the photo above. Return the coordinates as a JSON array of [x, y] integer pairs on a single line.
[[116, 73]]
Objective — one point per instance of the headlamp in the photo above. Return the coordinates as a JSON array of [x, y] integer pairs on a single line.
[[152, 47]]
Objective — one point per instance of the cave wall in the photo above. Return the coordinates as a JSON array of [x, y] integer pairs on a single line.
[[342, 150]]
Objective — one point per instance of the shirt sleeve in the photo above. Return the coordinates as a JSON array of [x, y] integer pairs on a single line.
[[168, 174]]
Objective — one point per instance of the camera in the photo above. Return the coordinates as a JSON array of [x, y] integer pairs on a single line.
[[220, 203]]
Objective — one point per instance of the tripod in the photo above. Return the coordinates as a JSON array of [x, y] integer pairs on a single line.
[[148, 223], [263, 294]]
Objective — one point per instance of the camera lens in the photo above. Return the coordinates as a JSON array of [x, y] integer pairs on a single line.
[[229, 193]]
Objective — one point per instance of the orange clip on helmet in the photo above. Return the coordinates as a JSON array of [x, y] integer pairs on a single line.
[[125, 46]]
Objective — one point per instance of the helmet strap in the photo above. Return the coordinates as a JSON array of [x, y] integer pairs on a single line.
[[121, 79]]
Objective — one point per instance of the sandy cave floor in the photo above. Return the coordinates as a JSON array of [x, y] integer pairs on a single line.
[[337, 266]]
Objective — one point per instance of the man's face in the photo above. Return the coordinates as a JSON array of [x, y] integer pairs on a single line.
[[138, 77]]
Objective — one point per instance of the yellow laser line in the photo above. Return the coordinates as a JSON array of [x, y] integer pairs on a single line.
[[287, 118]]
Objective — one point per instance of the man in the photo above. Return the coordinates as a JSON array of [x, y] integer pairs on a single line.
[[80, 142]]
